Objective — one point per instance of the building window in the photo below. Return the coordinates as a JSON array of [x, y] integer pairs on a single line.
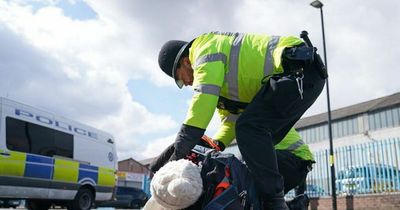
[[309, 135], [27, 137], [341, 128], [389, 118], [384, 119], [371, 122], [346, 127], [334, 130], [351, 129], [377, 119], [395, 115], [355, 126]]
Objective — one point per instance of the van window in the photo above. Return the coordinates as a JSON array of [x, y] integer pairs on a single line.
[[42, 139], [31, 138], [64, 144]]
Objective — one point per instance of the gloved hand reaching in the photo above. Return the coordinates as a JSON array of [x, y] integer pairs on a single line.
[[186, 139], [211, 143]]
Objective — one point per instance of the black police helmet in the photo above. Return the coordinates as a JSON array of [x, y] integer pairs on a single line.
[[169, 56]]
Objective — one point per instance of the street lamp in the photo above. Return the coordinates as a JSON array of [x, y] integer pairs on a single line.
[[317, 4]]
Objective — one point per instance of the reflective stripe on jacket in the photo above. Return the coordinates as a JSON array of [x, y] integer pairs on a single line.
[[231, 65], [293, 143]]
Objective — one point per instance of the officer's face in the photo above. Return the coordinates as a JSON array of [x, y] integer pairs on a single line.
[[185, 72]]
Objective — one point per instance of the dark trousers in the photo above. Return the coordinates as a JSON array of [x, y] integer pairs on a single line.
[[293, 170], [267, 119]]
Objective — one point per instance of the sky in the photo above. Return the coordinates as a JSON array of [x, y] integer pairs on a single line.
[[96, 61]]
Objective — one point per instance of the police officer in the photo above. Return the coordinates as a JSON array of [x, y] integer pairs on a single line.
[[273, 79]]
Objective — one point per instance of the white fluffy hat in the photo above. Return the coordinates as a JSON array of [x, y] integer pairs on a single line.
[[177, 185]]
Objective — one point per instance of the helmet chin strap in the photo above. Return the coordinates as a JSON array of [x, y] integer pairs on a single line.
[[179, 83]]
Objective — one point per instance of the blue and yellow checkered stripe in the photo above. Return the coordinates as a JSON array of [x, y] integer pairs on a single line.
[[18, 164]]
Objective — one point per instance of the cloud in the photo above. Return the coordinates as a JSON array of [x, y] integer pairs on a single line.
[[155, 147], [362, 51], [78, 69]]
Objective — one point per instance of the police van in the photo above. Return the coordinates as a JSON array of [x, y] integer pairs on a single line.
[[47, 159]]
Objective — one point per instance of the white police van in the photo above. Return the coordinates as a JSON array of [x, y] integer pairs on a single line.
[[47, 159]]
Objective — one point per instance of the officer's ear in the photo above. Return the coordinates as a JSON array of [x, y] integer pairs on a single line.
[[186, 61]]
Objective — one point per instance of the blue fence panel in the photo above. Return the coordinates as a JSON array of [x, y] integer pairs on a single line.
[[360, 169]]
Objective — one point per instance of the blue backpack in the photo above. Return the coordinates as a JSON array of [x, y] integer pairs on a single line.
[[227, 184]]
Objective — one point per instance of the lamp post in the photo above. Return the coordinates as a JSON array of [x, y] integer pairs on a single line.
[[317, 4]]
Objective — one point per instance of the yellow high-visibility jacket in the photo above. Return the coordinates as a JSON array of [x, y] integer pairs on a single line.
[[231, 65], [293, 143]]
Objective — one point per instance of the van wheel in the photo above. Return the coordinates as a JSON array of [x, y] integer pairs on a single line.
[[83, 200], [37, 205]]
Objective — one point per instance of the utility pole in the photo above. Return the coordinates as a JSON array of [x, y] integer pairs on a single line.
[[317, 4]]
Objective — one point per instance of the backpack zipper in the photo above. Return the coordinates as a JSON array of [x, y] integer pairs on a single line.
[[242, 196]]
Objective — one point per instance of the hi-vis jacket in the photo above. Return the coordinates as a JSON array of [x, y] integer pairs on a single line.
[[231, 65], [293, 143]]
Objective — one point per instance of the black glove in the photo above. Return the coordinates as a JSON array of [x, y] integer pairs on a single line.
[[185, 141]]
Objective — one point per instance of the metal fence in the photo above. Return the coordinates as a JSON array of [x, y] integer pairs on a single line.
[[360, 169]]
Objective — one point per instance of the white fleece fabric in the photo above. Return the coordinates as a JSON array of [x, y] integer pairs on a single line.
[[177, 185]]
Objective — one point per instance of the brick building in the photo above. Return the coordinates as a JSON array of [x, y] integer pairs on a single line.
[[132, 173]]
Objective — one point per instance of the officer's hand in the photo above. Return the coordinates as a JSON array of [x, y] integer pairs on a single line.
[[211, 143]]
